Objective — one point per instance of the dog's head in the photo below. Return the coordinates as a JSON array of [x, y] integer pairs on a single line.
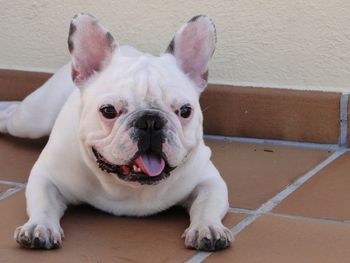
[[140, 116]]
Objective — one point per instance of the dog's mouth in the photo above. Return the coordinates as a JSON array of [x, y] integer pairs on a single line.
[[147, 169]]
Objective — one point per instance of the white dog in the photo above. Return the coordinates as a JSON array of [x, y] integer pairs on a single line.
[[126, 135]]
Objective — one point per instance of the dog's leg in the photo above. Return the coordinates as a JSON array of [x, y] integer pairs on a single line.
[[207, 206], [35, 115], [45, 207]]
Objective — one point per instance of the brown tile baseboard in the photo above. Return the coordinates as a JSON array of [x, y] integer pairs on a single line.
[[305, 116], [16, 84]]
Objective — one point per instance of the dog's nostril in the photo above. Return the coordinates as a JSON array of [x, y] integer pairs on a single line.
[[141, 124], [149, 123], [157, 124]]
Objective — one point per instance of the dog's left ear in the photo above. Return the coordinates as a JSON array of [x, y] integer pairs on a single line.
[[91, 47], [193, 45]]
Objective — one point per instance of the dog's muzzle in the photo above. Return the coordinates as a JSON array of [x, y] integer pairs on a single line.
[[149, 165]]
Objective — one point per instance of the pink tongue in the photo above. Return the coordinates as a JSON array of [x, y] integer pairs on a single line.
[[150, 164]]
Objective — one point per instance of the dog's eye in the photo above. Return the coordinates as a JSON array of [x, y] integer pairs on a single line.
[[185, 111], [108, 111]]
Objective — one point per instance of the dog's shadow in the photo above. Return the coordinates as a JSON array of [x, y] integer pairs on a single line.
[[86, 219], [87, 211]]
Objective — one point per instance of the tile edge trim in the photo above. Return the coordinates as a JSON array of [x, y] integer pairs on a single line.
[[343, 118], [310, 145]]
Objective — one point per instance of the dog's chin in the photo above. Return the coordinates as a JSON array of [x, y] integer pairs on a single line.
[[131, 172]]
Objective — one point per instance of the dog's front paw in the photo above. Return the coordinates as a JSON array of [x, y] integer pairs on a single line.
[[43, 236], [207, 237]]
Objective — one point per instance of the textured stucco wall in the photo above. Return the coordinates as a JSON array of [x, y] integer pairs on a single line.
[[280, 43]]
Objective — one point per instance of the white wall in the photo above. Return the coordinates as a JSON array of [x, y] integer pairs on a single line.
[[279, 43]]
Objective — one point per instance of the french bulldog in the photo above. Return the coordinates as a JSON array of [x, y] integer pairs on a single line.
[[126, 135]]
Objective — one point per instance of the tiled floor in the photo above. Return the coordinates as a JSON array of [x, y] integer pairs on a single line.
[[311, 224]]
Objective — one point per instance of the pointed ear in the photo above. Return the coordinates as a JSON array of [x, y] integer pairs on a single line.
[[193, 45], [91, 47]]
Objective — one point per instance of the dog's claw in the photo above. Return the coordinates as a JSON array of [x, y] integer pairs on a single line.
[[39, 236], [38, 243], [208, 238]]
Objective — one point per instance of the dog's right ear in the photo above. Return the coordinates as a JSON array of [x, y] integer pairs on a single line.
[[91, 47], [193, 46]]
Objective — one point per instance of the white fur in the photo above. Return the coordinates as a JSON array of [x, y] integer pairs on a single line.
[[66, 172]]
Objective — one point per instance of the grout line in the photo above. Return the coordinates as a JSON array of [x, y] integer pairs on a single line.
[[11, 192], [273, 202], [244, 223], [270, 204], [241, 211], [329, 147], [312, 219], [344, 99], [244, 211], [199, 257], [12, 183]]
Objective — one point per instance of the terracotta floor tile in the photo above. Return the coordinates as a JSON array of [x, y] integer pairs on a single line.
[[276, 239], [4, 187], [18, 157], [255, 173], [93, 236], [326, 195]]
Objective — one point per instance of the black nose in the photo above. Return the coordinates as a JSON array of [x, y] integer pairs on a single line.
[[149, 132], [150, 122]]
